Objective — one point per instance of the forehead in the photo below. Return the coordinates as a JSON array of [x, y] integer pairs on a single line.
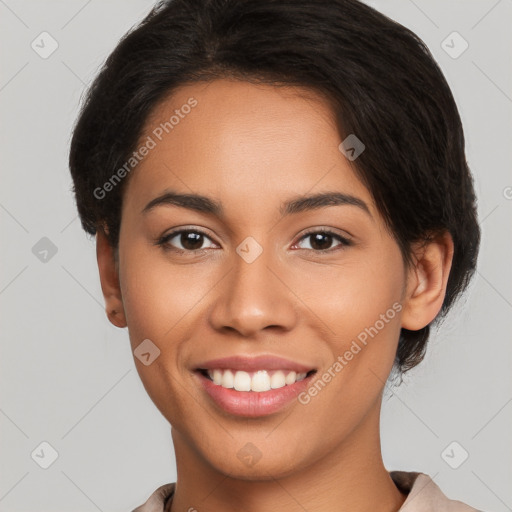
[[229, 138]]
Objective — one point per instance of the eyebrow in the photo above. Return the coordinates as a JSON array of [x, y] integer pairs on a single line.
[[204, 204]]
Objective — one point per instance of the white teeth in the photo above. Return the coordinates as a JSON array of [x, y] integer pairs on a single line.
[[228, 380], [290, 378], [242, 381], [278, 380], [217, 377], [261, 380]]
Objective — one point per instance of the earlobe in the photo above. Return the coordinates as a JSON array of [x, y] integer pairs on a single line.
[[427, 281], [109, 279]]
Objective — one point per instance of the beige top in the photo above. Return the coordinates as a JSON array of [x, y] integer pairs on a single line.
[[423, 495]]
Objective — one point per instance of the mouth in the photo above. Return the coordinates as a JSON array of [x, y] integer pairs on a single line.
[[252, 394], [253, 386], [258, 381]]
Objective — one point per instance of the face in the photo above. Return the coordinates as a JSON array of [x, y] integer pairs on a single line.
[[314, 284]]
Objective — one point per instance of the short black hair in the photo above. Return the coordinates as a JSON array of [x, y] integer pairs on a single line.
[[379, 78]]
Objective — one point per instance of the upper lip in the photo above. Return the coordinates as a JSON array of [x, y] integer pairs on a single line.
[[245, 363]]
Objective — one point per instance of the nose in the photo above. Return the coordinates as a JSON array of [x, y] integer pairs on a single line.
[[252, 297]]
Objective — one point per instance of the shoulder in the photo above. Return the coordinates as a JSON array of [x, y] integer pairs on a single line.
[[424, 495], [157, 500]]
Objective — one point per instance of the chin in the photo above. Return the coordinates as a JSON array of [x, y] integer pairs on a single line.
[[263, 469]]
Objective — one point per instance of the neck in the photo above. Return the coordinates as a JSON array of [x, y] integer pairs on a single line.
[[351, 477]]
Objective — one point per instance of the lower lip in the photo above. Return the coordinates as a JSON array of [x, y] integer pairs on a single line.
[[252, 404]]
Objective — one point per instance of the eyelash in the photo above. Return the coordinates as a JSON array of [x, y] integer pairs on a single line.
[[164, 240]]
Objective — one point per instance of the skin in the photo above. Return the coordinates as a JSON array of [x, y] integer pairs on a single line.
[[252, 147]]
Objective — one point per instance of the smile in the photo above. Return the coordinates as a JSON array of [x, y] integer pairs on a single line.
[[258, 381]]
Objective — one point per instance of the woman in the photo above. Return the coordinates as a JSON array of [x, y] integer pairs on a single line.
[[282, 209]]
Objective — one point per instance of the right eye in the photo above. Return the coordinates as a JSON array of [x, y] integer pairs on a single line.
[[191, 241]]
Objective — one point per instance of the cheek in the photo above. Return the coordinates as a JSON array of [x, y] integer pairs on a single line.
[[351, 298], [359, 315], [157, 298], [157, 295]]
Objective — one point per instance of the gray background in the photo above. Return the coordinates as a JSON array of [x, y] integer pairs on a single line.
[[67, 375]]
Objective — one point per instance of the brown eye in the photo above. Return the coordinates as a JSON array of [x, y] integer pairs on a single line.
[[190, 240], [323, 240]]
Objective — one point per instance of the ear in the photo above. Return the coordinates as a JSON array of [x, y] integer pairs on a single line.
[[109, 277], [426, 281]]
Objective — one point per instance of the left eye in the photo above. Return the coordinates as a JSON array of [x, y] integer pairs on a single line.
[[321, 240]]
